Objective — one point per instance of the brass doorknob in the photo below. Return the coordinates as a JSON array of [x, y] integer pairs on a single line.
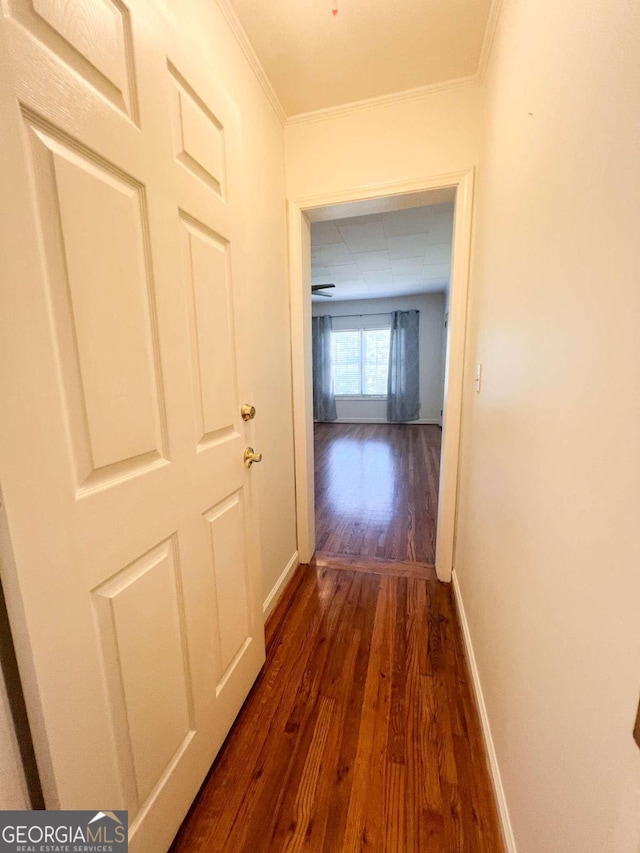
[[248, 412], [250, 456]]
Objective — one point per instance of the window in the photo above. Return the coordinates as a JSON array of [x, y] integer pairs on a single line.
[[360, 359]]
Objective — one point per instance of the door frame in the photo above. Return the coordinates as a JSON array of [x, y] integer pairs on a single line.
[[300, 306]]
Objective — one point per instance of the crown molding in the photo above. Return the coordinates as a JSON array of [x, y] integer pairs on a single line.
[[365, 104], [382, 100], [489, 34], [411, 94], [242, 38]]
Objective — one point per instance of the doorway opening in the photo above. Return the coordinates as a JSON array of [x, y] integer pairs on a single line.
[[372, 456], [379, 291]]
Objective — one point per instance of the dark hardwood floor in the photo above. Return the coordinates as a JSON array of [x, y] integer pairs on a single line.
[[360, 733], [377, 490]]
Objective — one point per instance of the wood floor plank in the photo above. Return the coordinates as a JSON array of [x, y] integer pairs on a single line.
[[340, 787], [365, 827], [396, 739], [323, 683], [282, 749], [373, 565], [307, 786], [395, 808], [332, 775], [360, 734]]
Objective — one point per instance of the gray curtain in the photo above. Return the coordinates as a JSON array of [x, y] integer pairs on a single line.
[[324, 401], [403, 393]]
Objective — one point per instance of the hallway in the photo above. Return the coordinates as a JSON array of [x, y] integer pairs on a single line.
[[377, 490], [360, 733]]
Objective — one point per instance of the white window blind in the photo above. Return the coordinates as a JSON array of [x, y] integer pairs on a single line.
[[360, 362], [345, 361], [375, 361]]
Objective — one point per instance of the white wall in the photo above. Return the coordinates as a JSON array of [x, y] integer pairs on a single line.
[[548, 546], [266, 246], [433, 135], [431, 308]]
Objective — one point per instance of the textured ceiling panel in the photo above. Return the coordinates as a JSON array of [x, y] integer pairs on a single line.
[[398, 260]]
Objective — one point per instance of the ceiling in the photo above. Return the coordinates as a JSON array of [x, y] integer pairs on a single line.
[[371, 48], [398, 253]]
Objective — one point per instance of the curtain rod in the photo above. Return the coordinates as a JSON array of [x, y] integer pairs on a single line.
[[351, 316]]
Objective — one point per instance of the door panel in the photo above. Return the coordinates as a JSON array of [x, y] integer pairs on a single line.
[[209, 301], [135, 592], [198, 135], [94, 228], [225, 523], [141, 621], [94, 38]]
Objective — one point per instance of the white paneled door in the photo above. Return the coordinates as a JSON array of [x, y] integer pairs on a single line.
[[133, 584]]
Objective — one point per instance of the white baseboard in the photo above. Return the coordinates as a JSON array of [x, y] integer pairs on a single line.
[[382, 421], [494, 770], [274, 596]]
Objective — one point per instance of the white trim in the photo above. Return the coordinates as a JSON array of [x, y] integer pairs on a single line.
[[378, 101], [494, 769], [415, 94], [381, 190], [299, 277], [242, 38], [455, 342], [274, 596], [384, 421], [487, 42], [365, 104], [302, 378]]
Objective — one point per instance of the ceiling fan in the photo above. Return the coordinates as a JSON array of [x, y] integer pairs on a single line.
[[317, 289]]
